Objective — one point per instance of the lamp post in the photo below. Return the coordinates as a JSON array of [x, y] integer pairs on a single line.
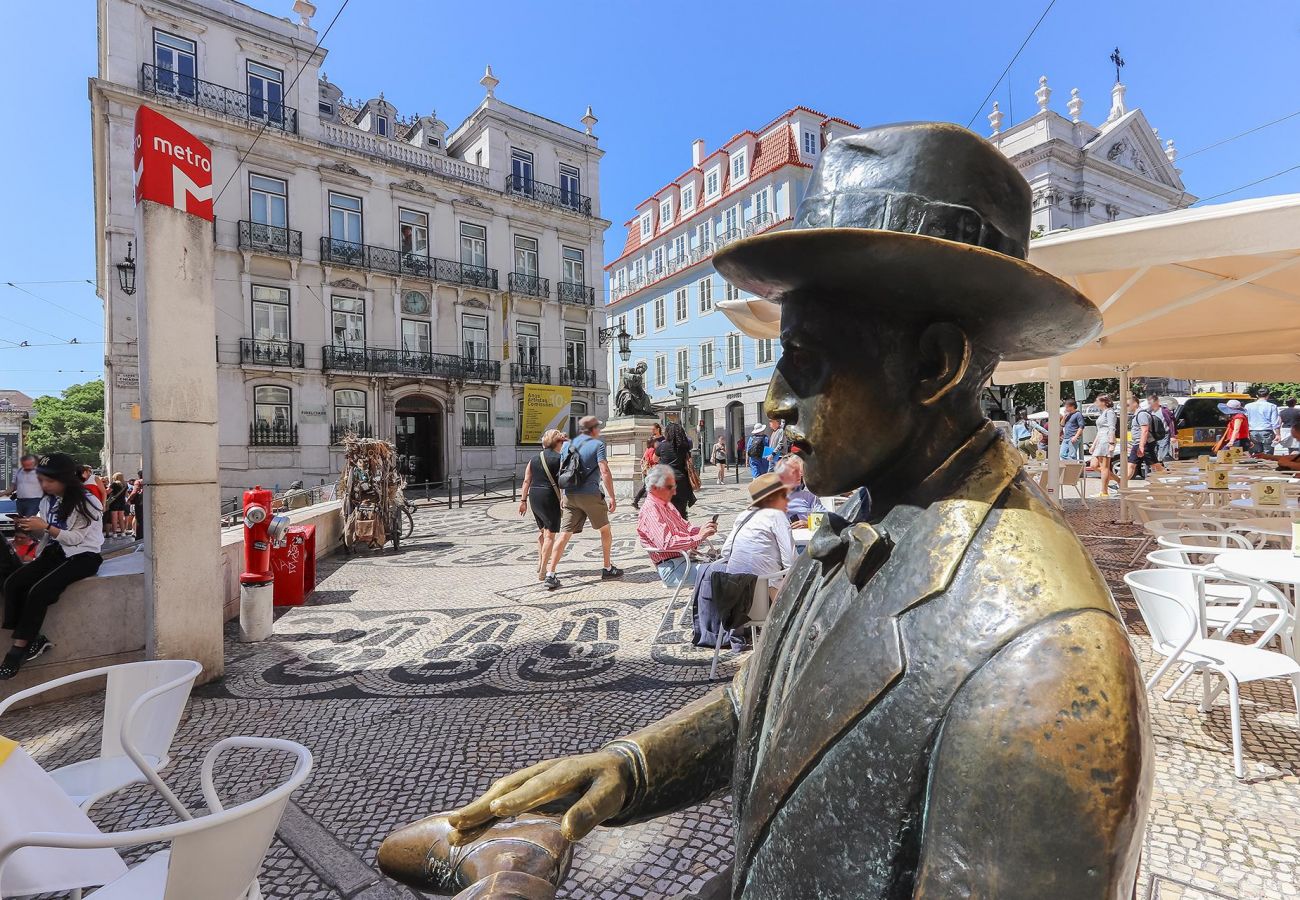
[[126, 272], [619, 333]]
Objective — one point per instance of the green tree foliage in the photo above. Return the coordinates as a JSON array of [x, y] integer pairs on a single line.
[[1030, 394], [72, 423], [1279, 389]]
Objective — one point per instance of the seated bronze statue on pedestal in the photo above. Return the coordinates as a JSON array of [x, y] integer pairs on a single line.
[[944, 702]]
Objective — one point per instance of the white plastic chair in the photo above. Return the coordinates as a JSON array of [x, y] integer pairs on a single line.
[[143, 704], [1175, 634], [1226, 603], [765, 588], [672, 602], [216, 857], [1203, 545]]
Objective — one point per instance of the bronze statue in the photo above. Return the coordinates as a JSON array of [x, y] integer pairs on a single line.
[[944, 702], [631, 398]]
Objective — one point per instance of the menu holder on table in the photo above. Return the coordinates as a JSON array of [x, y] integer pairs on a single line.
[[1217, 480], [1266, 493]]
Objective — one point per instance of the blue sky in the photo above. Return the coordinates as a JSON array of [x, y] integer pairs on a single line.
[[659, 75]]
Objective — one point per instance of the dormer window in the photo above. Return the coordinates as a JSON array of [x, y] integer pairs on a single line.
[[711, 184], [665, 212], [326, 108], [433, 142], [381, 126], [688, 199], [739, 166], [647, 225], [810, 143]]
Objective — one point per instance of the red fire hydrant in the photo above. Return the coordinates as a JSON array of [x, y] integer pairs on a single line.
[[262, 531]]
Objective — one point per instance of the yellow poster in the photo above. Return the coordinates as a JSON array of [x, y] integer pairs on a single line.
[[545, 407]]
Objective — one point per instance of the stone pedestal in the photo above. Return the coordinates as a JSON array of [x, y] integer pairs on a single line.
[[625, 438]]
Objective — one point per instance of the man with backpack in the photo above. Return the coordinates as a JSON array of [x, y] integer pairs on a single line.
[[1143, 441], [582, 471], [756, 450]]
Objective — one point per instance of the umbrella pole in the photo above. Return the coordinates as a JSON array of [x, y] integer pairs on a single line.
[[1052, 402]]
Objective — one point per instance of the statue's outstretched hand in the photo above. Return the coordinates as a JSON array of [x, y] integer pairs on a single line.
[[591, 788]]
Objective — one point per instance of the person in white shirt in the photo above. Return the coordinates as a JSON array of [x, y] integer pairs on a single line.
[[27, 486], [761, 542], [68, 526]]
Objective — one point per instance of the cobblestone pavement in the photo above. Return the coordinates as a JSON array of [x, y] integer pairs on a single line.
[[416, 677]]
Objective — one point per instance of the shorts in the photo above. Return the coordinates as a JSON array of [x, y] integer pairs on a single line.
[[578, 508], [1147, 455]]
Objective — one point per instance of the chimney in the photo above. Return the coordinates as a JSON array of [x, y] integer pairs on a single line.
[[697, 152]]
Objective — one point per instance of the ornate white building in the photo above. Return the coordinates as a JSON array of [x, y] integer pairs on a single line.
[[1083, 174], [374, 271]]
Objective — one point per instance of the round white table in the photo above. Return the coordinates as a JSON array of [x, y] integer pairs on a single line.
[[1273, 526], [1275, 566], [1288, 506]]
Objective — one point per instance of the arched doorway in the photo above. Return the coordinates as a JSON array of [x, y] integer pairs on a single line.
[[735, 432], [420, 445]]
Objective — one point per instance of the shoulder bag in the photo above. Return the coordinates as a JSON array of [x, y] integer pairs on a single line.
[[549, 477]]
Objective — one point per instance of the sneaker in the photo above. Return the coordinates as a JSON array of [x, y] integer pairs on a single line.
[[36, 648], [551, 582], [13, 661], [611, 572]]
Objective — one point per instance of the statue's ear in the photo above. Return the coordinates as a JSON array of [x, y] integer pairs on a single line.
[[945, 354]]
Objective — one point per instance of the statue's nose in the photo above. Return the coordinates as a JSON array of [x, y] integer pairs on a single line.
[[781, 402]]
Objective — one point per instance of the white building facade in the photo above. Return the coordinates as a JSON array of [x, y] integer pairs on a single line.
[[374, 273]]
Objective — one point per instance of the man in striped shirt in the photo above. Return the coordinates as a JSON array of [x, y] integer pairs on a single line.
[[662, 529]]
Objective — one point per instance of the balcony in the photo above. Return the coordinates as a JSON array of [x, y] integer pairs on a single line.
[[401, 262], [377, 361], [562, 198], [477, 437], [529, 285], [215, 98], [339, 433], [402, 153], [288, 354], [730, 236], [578, 377], [264, 434], [578, 294], [529, 373], [269, 239], [760, 222]]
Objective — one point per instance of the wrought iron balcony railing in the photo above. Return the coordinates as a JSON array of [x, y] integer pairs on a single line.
[[339, 432], [163, 82], [549, 194], [379, 361], [760, 222], [271, 353], [477, 437], [529, 373], [578, 294], [530, 285], [269, 239], [730, 236], [578, 377], [480, 369], [402, 262], [264, 434]]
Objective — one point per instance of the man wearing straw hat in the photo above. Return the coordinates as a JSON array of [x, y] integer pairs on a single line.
[[944, 702]]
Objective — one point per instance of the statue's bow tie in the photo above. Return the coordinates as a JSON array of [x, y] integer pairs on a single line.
[[862, 548]]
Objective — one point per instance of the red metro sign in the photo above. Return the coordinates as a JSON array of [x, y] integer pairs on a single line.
[[172, 166]]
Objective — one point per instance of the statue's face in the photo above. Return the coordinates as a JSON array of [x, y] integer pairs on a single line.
[[844, 388]]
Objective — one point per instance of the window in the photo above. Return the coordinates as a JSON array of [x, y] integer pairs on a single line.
[[175, 66], [638, 268], [761, 207], [345, 218], [647, 225], [731, 220], [706, 233], [570, 187], [477, 419], [706, 358], [414, 229], [474, 335], [659, 313], [528, 343], [381, 126], [810, 143], [661, 370], [265, 92], [272, 406], [325, 108], [526, 256], [349, 315], [711, 184], [416, 336], [688, 199], [679, 247], [764, 352], [268, 201], [521, 170], [665, 212], [270, 313], [683, 365], [733, 352], [659, 259], [350, 411], [575, 350], [478, 157], [577, 412], [731, 292], [638, 319], [622, 324], [706, 295], [473, 244], [682, 298], [738, 166], [574, 263]]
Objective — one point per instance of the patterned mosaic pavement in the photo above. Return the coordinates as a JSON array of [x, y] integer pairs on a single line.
[[417, 677]]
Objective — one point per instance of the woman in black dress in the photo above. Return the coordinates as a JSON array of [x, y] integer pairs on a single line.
[[541, 489], [675, 451]]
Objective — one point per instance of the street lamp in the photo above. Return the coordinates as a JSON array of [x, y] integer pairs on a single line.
[[624, 339], [126, 272]]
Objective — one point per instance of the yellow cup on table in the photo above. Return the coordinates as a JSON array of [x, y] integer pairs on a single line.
[[815, 520]]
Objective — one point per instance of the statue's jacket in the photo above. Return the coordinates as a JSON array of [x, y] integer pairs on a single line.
[[943, 704]]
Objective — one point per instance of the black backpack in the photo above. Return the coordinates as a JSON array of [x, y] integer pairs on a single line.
[[572, 472], [1157, 431], [757, 444]]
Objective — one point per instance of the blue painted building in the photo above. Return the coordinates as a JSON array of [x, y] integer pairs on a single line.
[[663, 288]]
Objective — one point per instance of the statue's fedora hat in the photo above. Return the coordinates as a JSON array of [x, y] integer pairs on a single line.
[[920, 218]]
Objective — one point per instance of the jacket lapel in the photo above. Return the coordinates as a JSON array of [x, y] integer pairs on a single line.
[[860, 653]]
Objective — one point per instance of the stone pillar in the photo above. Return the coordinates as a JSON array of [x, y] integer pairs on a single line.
[[178, 416], [625, 438]]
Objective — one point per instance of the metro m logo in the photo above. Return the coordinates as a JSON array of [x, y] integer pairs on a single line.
[[172, 166]]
